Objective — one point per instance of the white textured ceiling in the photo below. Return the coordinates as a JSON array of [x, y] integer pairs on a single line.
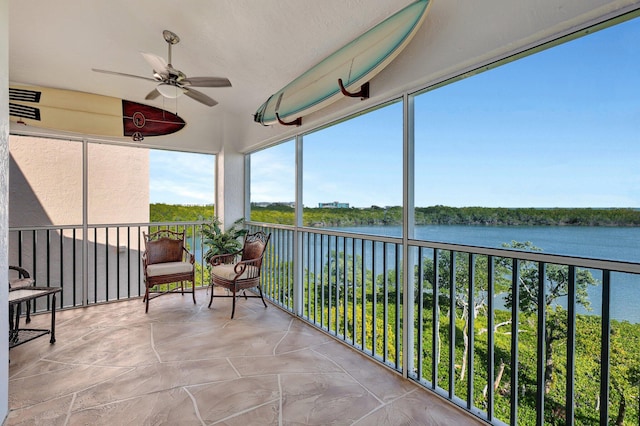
[[260, 45]]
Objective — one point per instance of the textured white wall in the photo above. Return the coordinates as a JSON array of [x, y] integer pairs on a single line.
[[4, 201]]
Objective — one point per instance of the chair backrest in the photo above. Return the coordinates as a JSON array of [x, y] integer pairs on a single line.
[[164, 246], [254, 246]]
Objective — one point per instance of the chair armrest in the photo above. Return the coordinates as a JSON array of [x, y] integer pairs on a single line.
[[220, 259], [22, 273], [244, 264], [191, 258], [23, 280]]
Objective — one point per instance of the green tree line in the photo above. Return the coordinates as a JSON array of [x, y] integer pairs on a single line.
[[444, 215], [434, 215], [160, 212]]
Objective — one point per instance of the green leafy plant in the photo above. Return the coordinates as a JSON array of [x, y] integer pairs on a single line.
[[219, 241]]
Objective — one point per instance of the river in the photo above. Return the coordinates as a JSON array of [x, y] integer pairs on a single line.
[[610, 243]]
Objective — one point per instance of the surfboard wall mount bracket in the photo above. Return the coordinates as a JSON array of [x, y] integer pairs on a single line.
[[363, 93], [296, 122]]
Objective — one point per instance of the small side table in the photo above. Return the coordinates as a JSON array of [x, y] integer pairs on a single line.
[[17, 335]]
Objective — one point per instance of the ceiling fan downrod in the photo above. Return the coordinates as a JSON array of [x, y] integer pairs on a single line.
[[171, 38]]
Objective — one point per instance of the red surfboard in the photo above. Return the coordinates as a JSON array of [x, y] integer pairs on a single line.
[[88, 113]]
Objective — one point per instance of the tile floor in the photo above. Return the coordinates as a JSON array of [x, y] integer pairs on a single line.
[[184, 364]]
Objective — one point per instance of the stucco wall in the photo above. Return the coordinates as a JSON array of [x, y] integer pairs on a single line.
[[46, 183], [4, 197]]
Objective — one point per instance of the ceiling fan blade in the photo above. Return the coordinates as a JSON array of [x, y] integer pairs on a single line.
[[123, 74], [152, 94], [200, 97], [157, 63], [206, 82]]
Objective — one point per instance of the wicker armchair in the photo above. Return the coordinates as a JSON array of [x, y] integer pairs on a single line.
[[240, 270], [165, 260]]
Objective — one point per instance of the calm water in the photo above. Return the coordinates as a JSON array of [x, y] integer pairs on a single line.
[[610, 243]]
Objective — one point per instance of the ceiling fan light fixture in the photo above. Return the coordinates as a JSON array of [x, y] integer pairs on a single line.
[[169, 91]]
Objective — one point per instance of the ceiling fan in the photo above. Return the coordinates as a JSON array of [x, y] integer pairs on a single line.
[[173, 82]]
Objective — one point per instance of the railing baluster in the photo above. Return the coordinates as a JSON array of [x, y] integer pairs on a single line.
[[74, 266], [471, 330], [374, 300], [542, 331], [420, 330], [490, 338], [117, 263], [605, 348], [571, 347], [330, 259], [398, 308], [128, 261], [363, 297], [106, 263], [385, 304], [61, 298], [48, 233], [452, 323], [95, 265], [354, 286], [435, 336], [515, 308]]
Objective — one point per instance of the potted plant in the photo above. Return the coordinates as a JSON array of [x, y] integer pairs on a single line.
[[219, 241]]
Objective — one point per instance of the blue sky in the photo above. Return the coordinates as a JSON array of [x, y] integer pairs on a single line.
[[560, 128], [181, 178]]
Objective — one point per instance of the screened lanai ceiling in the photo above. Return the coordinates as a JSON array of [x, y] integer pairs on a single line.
[[260, 46]]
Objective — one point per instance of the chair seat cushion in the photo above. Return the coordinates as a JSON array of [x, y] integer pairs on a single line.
[[169, 268], [227, 272], [21, 282]]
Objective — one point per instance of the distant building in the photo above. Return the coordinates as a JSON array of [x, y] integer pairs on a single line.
[[291, 204], [333, 205]]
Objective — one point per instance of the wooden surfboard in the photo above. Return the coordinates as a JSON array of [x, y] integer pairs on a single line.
[[88, 113], [354, 65]]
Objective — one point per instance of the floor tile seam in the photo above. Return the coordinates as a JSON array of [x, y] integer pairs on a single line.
[[196, 409], [286, 333], [28, 408], [152, 342], [350, 375], [234, 367], [245, 411], [267, 355], [296, 373], [70, 364], [136, 396], [191, 360], [31, 363], [215, 382], [280, 399], [76, 391], [68, 416], [118, 401], [54, 348], [340, 369], [384, 404]]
